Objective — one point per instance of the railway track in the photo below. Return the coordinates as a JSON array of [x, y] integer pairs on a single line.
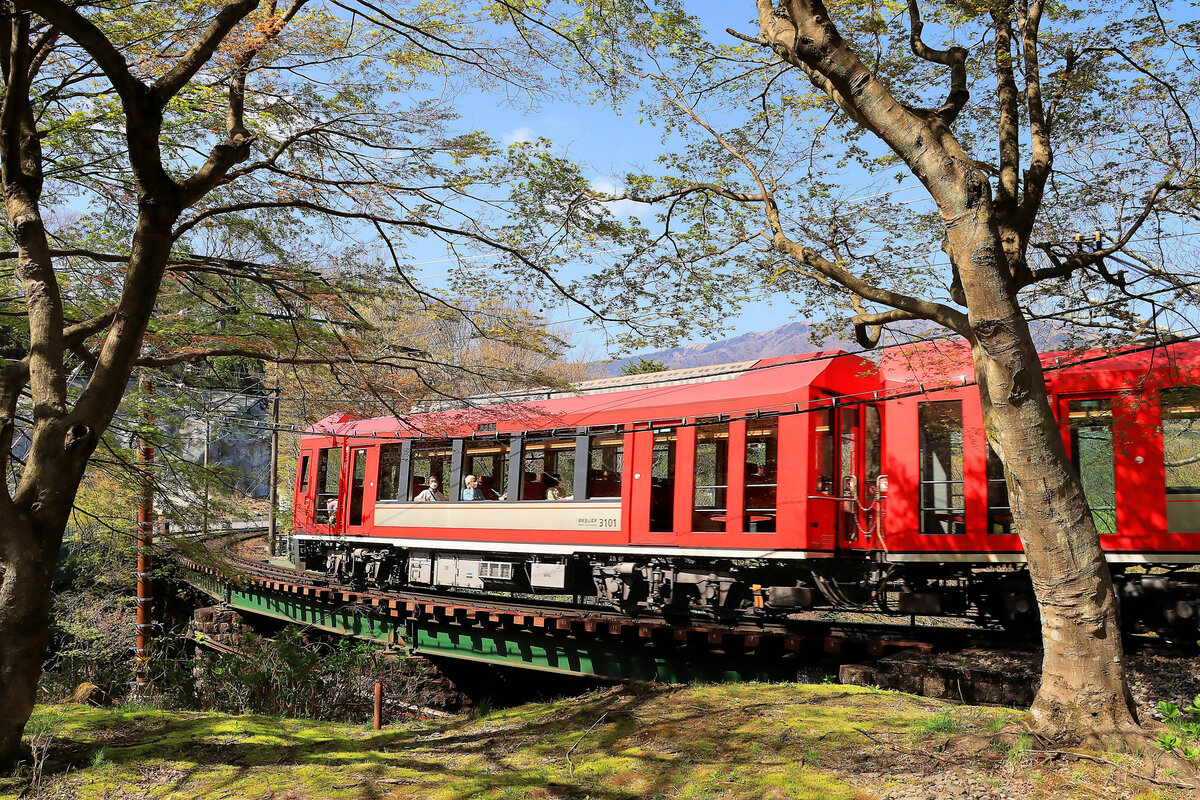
[[544, 634], [748, 633]]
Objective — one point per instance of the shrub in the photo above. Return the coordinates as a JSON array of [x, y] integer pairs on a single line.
[[290, 675]]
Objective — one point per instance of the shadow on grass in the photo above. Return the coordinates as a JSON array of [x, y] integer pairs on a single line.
[[621, 744]]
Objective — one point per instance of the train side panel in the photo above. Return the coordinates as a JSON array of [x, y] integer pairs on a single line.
[[958, 515]]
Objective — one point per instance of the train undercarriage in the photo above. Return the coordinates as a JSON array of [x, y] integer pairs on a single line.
[[1163, 600]]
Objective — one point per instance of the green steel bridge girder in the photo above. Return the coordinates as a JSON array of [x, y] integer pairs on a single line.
[[613, 659], [344, 620], [600, 658]]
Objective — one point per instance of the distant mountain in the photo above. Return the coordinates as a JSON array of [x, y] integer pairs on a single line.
[[786, 340], [797, 337]]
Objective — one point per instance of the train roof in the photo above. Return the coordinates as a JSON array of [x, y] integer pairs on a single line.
[[949, 363], [765, 385]]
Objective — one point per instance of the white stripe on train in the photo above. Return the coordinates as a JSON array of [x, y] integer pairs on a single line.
[[714, 552]]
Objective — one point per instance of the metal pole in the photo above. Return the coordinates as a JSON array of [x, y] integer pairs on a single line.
[[378, 706], [204, 511], [145, 540], [273, 496]]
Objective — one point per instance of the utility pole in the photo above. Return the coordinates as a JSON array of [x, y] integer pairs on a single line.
[[145, 540], [207, 434], [273, 492]]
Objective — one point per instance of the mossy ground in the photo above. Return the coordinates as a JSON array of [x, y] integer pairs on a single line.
[[727, 741]]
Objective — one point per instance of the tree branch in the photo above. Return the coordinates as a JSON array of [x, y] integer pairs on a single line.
[[807, 256], [915, 308], [954, 57], [21, 167], [710, 188], [1007, 129], [111, 258], [236, 147], [304, 205], [869, 327], [1029, 17], [67, 19], [202, 50], [1064, 266]]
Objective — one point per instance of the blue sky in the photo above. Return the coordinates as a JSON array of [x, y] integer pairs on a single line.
[[611, 144]]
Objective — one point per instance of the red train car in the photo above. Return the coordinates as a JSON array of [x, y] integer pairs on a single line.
[[820, 480]]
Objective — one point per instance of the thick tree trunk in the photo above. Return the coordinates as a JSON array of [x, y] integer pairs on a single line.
[[1084, 694], [30, 554]]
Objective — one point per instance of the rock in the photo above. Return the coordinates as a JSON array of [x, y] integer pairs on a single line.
[[969, 676], [89, 694]]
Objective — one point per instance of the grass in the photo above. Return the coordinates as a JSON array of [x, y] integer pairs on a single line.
[[768, 741]]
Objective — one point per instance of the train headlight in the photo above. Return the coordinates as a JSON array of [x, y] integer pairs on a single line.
[[882, 483]]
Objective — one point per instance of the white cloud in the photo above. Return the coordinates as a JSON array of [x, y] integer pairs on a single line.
[[521, 134]]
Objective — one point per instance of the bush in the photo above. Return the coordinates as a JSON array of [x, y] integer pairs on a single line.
[[292, 676]]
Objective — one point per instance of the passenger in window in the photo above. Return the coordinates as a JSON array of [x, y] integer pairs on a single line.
[[483, 485], [532, 487], [471, 489], [604, 483], [432, 491], [554, 490]]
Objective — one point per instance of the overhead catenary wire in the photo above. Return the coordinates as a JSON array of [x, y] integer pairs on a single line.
[[810, 406], [262, 397]]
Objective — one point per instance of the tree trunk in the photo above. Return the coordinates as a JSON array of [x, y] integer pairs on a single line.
[[1084, 695], [30, 553]]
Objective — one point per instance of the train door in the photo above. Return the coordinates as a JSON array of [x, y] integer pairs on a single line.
[[858, 468], [304, 481], [342, 491], [358, 485], [648, 491]]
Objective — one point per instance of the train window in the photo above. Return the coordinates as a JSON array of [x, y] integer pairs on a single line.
[[662, 484], [762, 475], [1000, 519], [329, 475], [488, 461], [943, 510], [873, 451], [1181, 458], [606, 460], [549, 466], [390, 479], [823, 466], [847, 444], [711, 478], [304, 474], [429, 460], [358, 483], [1092, 453]]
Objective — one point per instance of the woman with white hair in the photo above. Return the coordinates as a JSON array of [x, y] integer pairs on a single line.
[[471, 489]]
